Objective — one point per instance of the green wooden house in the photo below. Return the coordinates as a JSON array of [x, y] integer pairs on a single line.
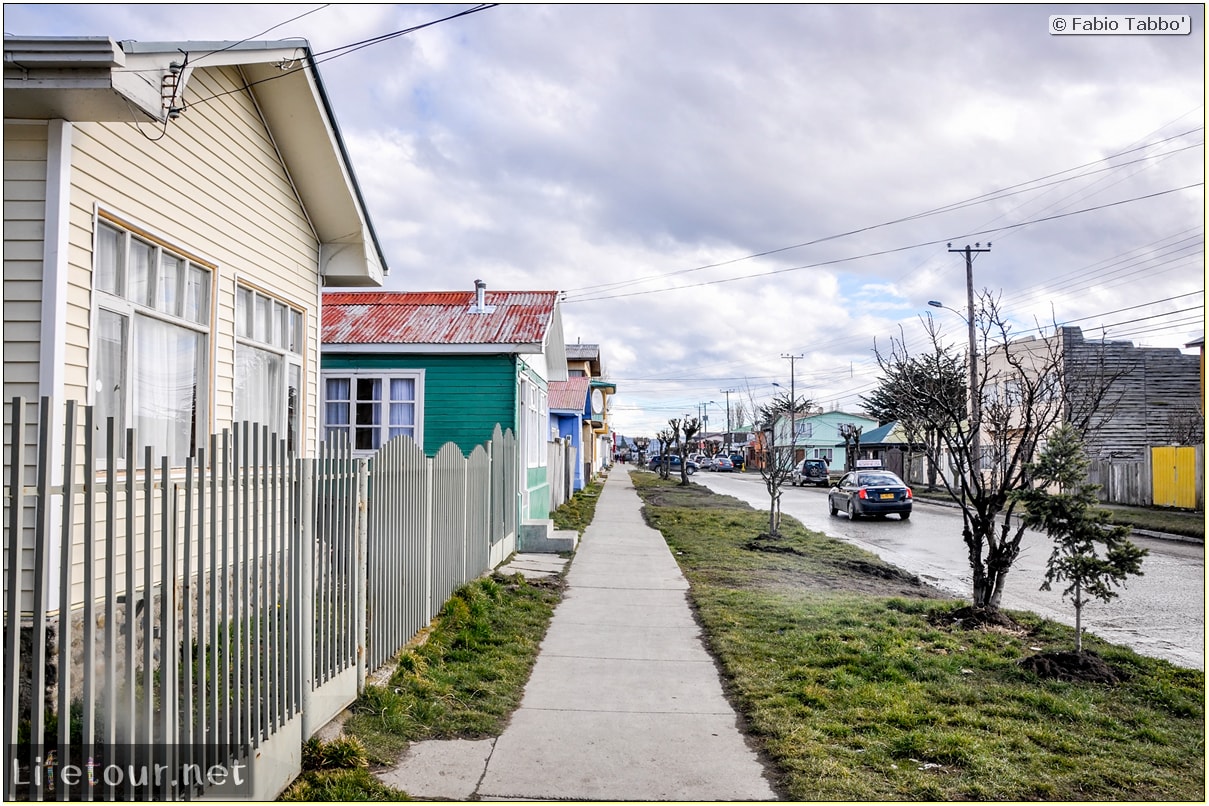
[[447, 366]]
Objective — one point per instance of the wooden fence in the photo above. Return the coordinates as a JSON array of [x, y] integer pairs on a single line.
[[213, 617]]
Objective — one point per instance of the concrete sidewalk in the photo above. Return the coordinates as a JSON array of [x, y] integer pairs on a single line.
[[624, 703]]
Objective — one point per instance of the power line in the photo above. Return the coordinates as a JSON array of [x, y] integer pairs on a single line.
[[993, 195], [893, 250]]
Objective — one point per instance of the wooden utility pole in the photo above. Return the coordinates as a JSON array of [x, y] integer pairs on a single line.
[[727, 441], [793, 412], [975, 403]]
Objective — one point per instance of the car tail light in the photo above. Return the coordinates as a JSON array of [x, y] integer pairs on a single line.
[[908, 493], [863, 494]]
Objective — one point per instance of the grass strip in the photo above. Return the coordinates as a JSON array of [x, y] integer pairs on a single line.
[[857, 688]]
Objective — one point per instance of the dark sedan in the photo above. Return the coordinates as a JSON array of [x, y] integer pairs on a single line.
[[870, 492], [673, 464]]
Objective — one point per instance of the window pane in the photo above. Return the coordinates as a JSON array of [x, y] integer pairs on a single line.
[[258, 388], [167, 289], [339, 389], [402, 414], [109, 260], [168, 371], [263, 319], [293, 403], [111, 379], [141, 280], [281, 326], [197, 295], [369, 388], [403, 389], [295, 332], [243, 313]]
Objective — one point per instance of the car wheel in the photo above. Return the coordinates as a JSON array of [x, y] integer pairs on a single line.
[[852, 513], [831, 507], [691, 471], [904, 515]]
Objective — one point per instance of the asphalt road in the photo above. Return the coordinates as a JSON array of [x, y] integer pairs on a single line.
[[1160, 614]]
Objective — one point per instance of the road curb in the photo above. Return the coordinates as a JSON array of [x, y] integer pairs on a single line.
[[1139, 532]]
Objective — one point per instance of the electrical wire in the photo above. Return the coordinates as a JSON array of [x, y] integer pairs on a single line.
[[882, 252]]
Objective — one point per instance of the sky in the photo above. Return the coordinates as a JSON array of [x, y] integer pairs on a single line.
[[737, 200]]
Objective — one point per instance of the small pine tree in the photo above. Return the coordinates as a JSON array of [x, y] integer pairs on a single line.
[[1077, 527]]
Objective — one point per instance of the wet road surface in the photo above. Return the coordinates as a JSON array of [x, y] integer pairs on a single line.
[[1160, 614]]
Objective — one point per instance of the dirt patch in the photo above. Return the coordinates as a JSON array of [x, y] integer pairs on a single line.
[[771, 543], [978, 618], [1074, 667]]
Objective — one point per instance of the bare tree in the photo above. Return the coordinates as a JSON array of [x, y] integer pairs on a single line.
[[665, 452], [1026, 388], [1186, 427], [684, 429], [777, 466]]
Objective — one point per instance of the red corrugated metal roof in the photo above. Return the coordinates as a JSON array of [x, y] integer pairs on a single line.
[[569, 395], [436, 317]]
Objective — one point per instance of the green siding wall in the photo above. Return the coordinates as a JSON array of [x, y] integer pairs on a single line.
[[465, 396], [539, 493]]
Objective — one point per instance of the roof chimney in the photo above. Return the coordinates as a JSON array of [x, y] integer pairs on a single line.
[[480, 299]]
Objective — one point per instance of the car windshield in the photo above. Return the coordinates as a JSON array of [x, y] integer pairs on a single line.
[[871, 479]]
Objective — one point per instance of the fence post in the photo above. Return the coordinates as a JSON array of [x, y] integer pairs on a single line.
[[362, 578], [428, 470], [305, 592]]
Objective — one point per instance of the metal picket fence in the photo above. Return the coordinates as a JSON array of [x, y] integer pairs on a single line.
[[218, 614]]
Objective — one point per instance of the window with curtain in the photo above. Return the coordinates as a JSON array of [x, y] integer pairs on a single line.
[[268, 364], [150, 341], [372, 409]]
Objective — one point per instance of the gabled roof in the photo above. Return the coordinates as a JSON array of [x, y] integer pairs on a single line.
[[881, 435], [82, 79], [570, 395], [444, 321]]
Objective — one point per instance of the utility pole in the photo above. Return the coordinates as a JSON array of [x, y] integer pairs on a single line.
[[975, 403], [793, 412], [727, 393]]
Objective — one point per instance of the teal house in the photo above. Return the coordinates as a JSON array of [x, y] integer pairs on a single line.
[[446, 366], [818, 435]]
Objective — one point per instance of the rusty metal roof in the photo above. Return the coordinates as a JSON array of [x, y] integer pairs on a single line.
[[569, 395], [437, 317]]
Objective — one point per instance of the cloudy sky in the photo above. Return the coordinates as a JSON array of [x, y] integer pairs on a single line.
[[717, 187]]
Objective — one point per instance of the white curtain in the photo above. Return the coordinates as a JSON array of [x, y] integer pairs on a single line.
[[167, 369], [258, 388]]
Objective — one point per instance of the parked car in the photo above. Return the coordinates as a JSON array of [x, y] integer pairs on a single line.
[[738, 461], [810, 471], [870, 492], [674, 464], [705, 462], [722, 464]]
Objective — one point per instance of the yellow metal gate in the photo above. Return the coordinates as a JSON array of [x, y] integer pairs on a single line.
[[1173, 473]]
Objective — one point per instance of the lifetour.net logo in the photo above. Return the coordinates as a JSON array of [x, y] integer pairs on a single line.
[[129, 772]]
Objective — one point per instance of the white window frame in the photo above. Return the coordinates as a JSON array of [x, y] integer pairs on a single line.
[[384, 376], [284, 339], [116, 302]]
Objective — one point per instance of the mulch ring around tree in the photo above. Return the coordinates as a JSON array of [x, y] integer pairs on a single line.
[[1073, 667]]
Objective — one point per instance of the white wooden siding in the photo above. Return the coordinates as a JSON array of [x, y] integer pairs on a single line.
[[213, 186]]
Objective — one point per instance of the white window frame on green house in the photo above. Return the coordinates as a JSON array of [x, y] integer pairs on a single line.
[[269, 385], [151, 340], [373, 407], [534, 414]]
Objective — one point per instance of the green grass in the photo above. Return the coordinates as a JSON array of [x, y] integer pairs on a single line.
[[843, 679], [577, 512], [468, 677]]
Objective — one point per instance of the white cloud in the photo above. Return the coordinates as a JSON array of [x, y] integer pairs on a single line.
[[568, 147]]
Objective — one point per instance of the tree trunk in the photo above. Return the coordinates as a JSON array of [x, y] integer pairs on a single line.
[[1078, 617]]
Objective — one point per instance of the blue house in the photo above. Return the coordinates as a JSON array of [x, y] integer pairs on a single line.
[[570, 407]]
